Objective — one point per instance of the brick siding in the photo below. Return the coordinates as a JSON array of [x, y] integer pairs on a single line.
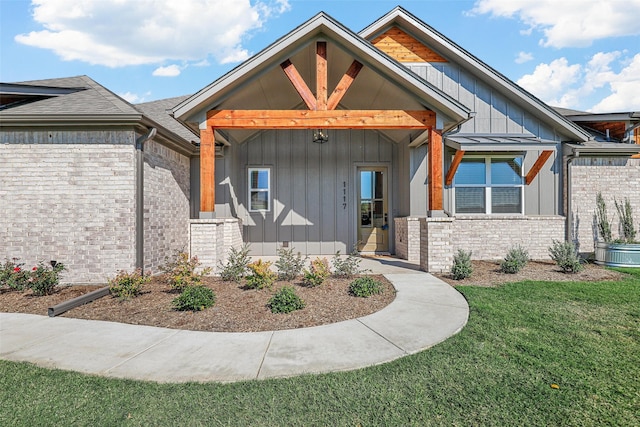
[[407, 238], [211, 240], [166, 204], [616, 178], [66, 197]]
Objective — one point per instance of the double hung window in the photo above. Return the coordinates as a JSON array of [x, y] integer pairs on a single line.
[[259, 190], [489, 185]]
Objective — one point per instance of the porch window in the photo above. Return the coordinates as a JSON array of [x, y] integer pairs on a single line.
[[489, 185], [259, 190]]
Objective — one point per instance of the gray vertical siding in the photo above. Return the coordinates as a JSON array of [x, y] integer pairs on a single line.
[[308, 183]]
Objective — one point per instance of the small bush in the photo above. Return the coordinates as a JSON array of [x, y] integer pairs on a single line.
[[317, 272], [365, 287], [289, 265], [566, 256], [127, 285], [516, 259], [285, 301], [627, 229], [602, 219], [462, 267], [235, 269], [348, 266], [44, 278], [261, 275], [13, 276], [181, 271], [195, 298]]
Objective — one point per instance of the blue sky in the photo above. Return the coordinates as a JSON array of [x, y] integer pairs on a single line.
[[581, 54]]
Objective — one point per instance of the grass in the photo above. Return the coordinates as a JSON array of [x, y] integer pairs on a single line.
[[521, 338]]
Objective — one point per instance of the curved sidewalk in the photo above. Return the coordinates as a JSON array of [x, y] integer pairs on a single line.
[[425, 312]]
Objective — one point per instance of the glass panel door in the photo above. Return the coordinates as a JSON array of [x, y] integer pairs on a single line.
[[373, 219]]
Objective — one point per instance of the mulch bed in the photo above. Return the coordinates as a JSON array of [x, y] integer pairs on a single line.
[[237, 309], [487, 273]]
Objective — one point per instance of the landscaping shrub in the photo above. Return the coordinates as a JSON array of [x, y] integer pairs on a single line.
[[261, 275], [285, 301], [289, 265], [235, 268], [195, 298], [365, 287], [13, 276], [317, 272], [604, 225], [348, 266], [181, 271], [566, 256], [127, 285], [516, 259], [462, 267], [627, 229], [44, 278]]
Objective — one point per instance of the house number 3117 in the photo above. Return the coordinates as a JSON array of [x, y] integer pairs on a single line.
[[344, 194]]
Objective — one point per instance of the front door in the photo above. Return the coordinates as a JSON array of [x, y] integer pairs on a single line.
[[373, 220]]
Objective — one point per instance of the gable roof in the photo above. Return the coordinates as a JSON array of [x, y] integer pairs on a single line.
[[449, 49], [321, 27]]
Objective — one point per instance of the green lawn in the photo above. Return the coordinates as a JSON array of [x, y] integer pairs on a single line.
[[521, 338]]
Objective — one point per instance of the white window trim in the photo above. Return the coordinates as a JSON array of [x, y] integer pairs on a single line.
[[487, 194], [251, 190]]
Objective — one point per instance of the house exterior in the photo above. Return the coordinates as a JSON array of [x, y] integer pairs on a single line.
[[392, 140]]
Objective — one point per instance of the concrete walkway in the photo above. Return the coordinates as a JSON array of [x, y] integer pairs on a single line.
[[425, 312]]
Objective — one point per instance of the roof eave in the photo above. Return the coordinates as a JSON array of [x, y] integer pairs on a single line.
[[39, 120]]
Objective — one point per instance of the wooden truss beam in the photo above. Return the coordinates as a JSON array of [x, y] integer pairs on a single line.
[[537, 166], [454, 167], [207, 170], [299, 84], [321, 76], [343, 85], [330, 119]]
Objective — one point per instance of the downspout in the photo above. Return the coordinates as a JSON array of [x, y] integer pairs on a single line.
[[568, 159], [140, 196]]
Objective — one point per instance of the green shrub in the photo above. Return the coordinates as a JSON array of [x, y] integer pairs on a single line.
[[566, 256], [317, 272], [627, 229], [181, 271], [195, 298], [289, 265], [516, 259], [127, 285], [285, 301], [13, 276], [365, 287], [462, 267], [604, 225], [261, 275], [44, 278], [235, 268], [348, 266]]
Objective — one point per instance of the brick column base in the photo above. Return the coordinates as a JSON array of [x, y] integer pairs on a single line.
[[211, 239], [436, 249]]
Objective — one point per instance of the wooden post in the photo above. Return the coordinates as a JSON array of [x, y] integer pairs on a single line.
[[321, 76], [207, 170], [434, 162]]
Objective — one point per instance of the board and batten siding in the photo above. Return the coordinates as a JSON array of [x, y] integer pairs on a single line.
[[496, 114], [309, 184]]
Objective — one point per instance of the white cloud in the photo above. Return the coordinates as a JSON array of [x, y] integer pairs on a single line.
[[117, 33], [133, 98], [169, 71], [523, 57], [568, 23], [625, 88], [582, 86]]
